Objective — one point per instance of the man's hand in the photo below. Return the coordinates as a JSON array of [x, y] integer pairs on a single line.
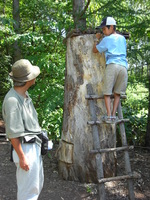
[[24, 164]]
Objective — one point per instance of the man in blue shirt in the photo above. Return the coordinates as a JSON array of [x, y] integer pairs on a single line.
[[115, 78]]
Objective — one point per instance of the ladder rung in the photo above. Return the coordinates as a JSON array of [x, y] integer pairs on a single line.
[[92, 97], [100, 122], [94, 122], [118, 178], [122, 120], [112, 149]]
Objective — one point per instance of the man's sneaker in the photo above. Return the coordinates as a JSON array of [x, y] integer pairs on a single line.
[[109, 119]]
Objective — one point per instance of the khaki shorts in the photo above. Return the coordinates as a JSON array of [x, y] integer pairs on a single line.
[[115, 79]]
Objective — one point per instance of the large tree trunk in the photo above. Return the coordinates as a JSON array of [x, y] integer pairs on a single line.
[[83, 67]]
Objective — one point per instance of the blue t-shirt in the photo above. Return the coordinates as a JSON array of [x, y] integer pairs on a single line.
[[114, 47]]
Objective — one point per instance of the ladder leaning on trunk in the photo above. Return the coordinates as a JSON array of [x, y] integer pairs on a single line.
[[92, 98]]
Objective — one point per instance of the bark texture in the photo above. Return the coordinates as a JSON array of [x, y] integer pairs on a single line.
[[147, 137], [83, 67], [78, 14], [16, 17]]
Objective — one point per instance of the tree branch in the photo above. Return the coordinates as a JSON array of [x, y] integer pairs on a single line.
[[85, 8]]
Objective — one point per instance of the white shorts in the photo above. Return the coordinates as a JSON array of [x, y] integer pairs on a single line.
[[29, 183]]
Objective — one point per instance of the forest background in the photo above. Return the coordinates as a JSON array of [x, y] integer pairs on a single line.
[[36, 29]]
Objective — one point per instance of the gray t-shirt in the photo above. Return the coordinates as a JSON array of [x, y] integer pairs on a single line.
[[19, 115]]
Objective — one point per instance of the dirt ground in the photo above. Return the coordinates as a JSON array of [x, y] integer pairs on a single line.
[[57, 189]]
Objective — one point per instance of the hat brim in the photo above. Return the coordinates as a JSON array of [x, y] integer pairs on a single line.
[[98, 27], [35, 71]]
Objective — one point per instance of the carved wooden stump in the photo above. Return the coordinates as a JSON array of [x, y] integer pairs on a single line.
[[83, 67]]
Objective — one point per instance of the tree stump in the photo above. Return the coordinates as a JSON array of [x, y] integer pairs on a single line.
[[83, 67]]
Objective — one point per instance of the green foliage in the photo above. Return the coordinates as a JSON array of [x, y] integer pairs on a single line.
[[44, 25], [88, 189], [40, 41], [4, 80], [135, 109]]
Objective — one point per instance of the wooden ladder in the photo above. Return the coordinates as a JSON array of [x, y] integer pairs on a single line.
[[92, 98]]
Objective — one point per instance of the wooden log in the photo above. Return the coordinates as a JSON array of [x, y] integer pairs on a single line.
[[83, 67], [126, 154], [96, 144], [118, 178], [100, 122], [102, 97], [112, 149]]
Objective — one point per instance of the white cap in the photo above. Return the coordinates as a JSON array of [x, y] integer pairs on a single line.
[[107, 21]]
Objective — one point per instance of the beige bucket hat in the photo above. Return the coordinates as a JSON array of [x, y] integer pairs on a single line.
[[23, 71]]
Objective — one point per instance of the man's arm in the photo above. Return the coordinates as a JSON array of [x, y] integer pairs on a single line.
[[18, 148]]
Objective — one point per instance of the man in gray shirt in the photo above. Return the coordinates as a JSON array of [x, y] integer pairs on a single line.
[[22, 129]]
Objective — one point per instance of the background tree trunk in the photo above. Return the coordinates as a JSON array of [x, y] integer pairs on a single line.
[[147, 137], [78, 14], [16, 17], [83, 67]]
